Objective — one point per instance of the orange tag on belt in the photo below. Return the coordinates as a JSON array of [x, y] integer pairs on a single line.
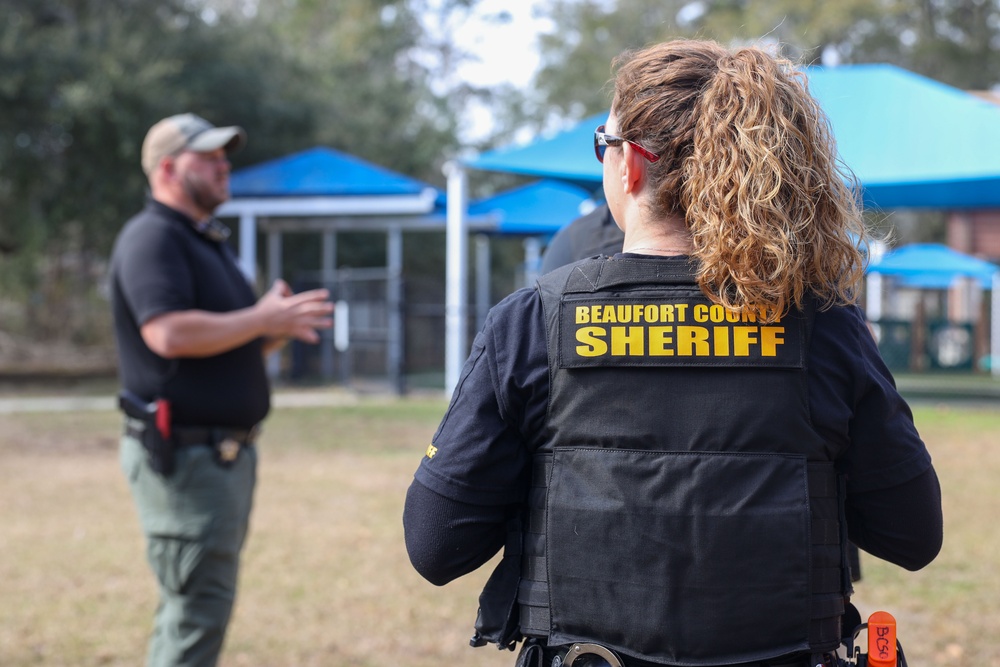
[[881, 640]]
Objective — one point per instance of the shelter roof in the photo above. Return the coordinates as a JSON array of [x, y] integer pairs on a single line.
[[567, 155], [542, 207], [932, 265], [319, 172], [911, 141]]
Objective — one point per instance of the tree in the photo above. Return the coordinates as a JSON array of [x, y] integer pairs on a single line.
[[82, 80], [949, 40], [576, 59]]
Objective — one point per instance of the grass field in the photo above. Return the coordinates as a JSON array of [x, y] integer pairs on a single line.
[[326, 581]]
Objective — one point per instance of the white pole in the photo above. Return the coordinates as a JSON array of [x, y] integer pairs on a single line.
[[482, 279], [248, 245], [995, 327], [328, 262], [274, 270], [532, 260], [394, 299], [873, 297], [456, 273], [342, 326]]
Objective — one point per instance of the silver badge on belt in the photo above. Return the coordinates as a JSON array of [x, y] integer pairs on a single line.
[[229, 449]]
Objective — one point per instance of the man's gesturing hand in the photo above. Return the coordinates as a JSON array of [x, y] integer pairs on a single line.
[[299, 316]]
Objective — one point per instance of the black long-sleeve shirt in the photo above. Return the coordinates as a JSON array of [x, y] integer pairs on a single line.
[[475, 473]]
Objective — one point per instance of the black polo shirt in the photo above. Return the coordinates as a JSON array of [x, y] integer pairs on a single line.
[[161, 263]]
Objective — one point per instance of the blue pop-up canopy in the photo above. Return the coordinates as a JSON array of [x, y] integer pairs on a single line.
[[911, 141], [931, 265], [568, 155], [542, 207]]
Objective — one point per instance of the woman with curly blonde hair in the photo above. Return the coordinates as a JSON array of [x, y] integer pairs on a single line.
[[748, 184], [676, 444]]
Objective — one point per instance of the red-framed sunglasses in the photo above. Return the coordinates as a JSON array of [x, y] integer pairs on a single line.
[[602, 140]]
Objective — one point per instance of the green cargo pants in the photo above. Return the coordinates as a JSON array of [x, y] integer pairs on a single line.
[[195, 523]]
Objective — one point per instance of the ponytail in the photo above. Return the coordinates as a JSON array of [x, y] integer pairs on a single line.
[[755, 174]]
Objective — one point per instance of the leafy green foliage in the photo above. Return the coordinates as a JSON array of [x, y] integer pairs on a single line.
[[82, 80], [577, 58], [948, 40]]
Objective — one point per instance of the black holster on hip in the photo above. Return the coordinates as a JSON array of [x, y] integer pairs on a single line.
[[150, 424]]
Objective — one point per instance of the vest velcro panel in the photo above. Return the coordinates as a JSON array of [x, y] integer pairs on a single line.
[[645, 572]]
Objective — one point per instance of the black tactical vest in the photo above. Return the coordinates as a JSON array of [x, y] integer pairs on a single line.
[[684, 511]]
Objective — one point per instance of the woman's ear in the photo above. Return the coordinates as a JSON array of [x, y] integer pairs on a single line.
[[633, 171]]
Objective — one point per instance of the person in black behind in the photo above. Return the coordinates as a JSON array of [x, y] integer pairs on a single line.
[[191, 340], [674, 444], [593, 233]]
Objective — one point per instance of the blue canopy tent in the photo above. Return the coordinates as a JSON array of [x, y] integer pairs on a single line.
[[542, 207], [933, 266], [912, 142], [567, 155], [321, 172], [937, 267]]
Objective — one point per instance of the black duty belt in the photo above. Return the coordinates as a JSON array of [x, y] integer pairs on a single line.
[[187, 436], [538, 655]]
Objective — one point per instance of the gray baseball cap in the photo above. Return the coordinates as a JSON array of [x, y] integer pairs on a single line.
[[187, 131]]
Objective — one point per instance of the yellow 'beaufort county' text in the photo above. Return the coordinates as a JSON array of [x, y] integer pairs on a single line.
[[674, 329]]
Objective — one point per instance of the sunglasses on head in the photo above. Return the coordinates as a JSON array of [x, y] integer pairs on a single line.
[[602, 140]]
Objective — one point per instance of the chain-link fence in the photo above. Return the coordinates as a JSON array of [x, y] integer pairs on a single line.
[[939, 345]]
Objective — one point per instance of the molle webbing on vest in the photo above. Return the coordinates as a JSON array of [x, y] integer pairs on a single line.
[[830, 581], [498, 603], [602, 274], [826, 602], [533, 592]]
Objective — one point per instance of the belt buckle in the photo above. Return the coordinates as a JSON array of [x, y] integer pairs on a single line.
[[229, 449]]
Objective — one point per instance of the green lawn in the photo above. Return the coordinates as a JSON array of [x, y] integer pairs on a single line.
[[326, 580]]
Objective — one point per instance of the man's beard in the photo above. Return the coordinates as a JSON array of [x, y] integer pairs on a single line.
[[204, 195]]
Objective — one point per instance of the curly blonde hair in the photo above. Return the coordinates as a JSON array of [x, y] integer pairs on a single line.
[[750, 163]]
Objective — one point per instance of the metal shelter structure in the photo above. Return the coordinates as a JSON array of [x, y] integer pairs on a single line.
[[326, 192], [938, 267]]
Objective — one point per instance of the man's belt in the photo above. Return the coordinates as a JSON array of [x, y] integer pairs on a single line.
[[187, 436], [194, 435]]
